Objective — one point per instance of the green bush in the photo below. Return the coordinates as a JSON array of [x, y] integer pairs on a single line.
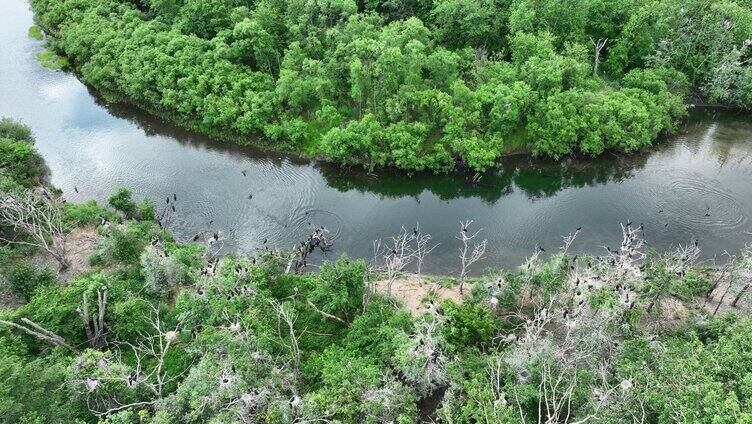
[[86, 213], [52, 60], [20, 162], [35, 32], [147, 210], [25, 277], [13, 130], [122, 201]]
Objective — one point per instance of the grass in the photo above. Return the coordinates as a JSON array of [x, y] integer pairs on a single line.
[[35, 32], [51, 60]]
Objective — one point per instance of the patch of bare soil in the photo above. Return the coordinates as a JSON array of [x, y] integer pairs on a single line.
[[411, 290], [80, 244], [675, 313]]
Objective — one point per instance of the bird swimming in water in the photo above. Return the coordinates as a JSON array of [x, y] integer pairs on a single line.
[[75, 189], [250, 196], [174, 197], [243, 172]]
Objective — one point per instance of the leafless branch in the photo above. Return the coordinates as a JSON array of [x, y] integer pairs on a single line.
[[35, 214], [470, 251]]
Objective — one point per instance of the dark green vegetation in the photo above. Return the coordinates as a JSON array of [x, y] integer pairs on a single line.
[[159, 331], [20, 165], [413, 84]]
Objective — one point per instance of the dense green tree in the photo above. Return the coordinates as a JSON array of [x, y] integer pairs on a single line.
[[444, 81]]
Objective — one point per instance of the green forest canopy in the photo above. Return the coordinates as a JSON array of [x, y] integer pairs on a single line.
[[414, 84]]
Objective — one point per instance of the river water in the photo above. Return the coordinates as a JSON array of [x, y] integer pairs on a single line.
[[704, 169]]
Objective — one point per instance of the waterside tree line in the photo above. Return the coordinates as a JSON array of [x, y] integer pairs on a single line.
[[158, 330], [419, 84]]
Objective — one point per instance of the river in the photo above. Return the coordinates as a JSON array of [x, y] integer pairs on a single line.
[[705, 169]]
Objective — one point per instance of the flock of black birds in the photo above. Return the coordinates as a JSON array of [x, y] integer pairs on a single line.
[[318, 238]]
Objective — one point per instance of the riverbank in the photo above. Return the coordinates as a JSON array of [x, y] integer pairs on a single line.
[[138, 323], [325, 344]]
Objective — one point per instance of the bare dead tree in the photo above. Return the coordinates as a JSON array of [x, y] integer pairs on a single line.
[[470, 251], [149, 354], [426, 368], [720, 276], [36, 218], [392, 257], [285, 319], [741, 275], [166, 216], [598, 45], [317, 239], [33, 329], [559, 338], [152, 349], [325, 314], [94, 326], [423, 247], [568, 240]]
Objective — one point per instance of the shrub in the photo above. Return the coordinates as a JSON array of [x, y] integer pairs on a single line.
[[122, 200], [35, 32], [25, 277], [147, 210], [15, 131], [86, 213], [52, 61]]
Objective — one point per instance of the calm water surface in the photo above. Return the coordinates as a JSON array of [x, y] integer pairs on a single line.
[[95, 147]]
